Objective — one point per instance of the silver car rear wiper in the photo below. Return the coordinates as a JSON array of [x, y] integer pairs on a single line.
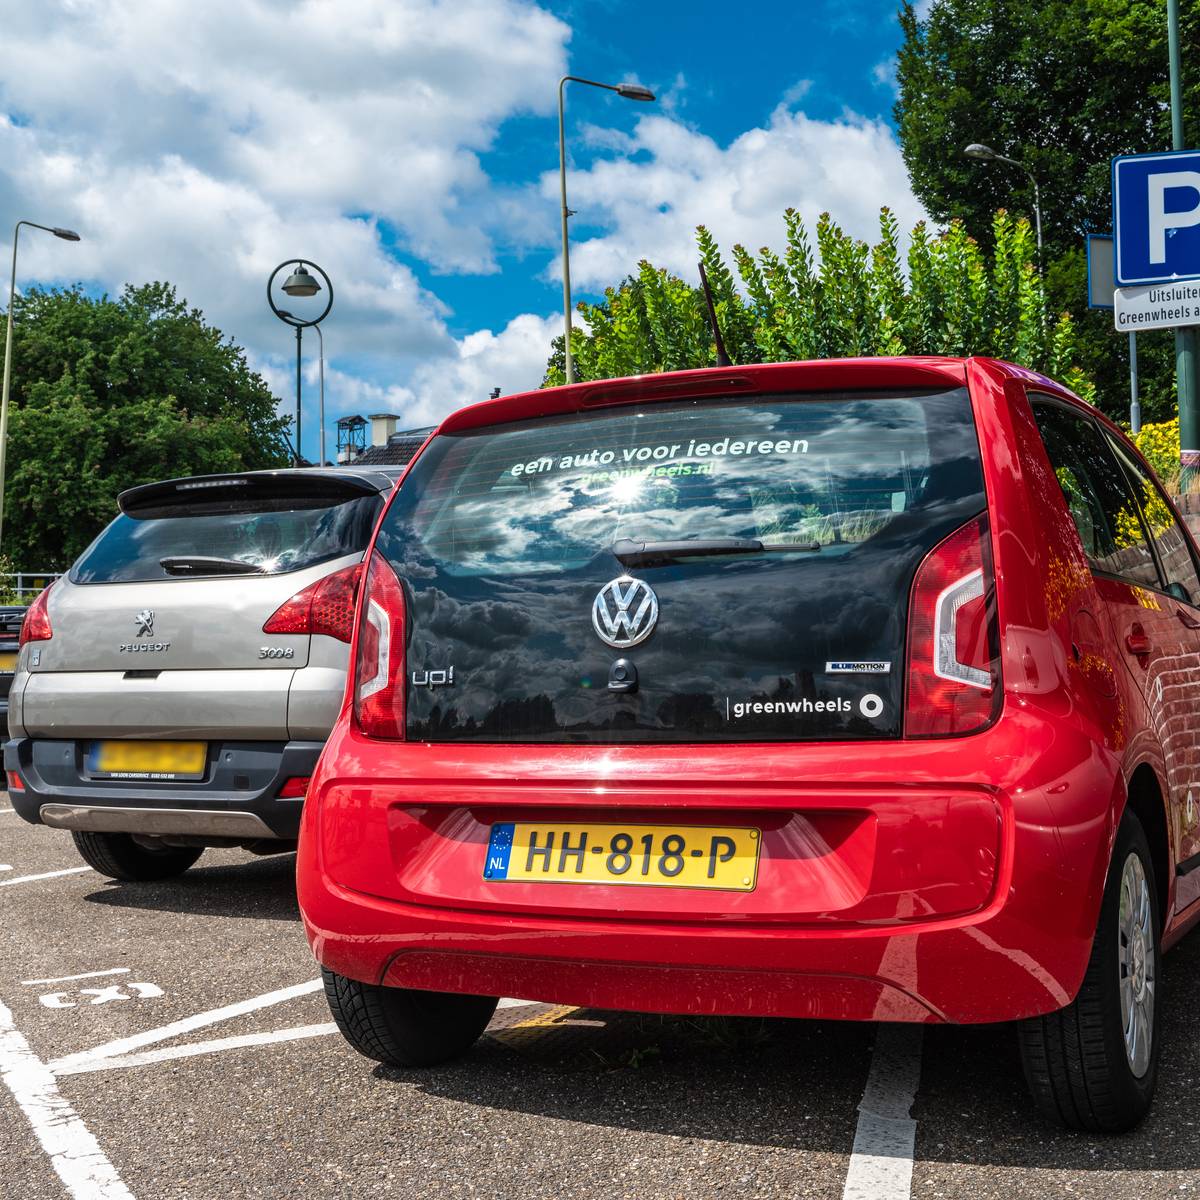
[[200, 564], [633, 553]]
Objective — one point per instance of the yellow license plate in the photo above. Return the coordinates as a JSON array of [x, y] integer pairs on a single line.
[[8, 661], [683, 856], [148, 760]]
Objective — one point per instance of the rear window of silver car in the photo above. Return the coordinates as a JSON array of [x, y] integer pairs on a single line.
[[266, 538]]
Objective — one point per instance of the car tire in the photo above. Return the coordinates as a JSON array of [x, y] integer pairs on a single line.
[[404, 1027], [1092, 1066], [118, 856]]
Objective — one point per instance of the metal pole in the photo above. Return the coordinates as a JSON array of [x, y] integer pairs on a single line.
[[8, 341], [1135, 406], [321, 409], [1037, 213], [299, 333], [566, 212], [1185, 339]]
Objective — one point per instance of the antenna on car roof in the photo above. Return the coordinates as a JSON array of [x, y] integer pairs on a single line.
[[723, 359]]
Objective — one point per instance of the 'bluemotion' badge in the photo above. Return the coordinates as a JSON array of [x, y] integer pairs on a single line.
[[857, 668]]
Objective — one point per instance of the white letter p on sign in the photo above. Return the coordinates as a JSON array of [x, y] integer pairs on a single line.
[[1160, 219]]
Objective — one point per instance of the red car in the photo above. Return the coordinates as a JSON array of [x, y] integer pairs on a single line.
[[860, 689]]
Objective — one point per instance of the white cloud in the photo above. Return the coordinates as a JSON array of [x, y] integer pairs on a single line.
[[514, 360], [205, 143], [883, 74], [325, 105], [669, 178], [797, 92]]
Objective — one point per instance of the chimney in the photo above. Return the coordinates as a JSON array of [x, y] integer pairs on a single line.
[[383, 425]]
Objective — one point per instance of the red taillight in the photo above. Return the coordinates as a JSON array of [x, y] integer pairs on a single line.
[[326, 606], [953, 647], [36, 626], [295, 788], [379, 665], [15, 782]]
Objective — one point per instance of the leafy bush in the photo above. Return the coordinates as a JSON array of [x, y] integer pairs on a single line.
[[946, 296], [1159, 443]]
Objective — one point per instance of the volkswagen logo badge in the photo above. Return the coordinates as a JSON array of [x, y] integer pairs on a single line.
[[625, 612]]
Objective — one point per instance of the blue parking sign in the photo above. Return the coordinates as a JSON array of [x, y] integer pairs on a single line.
[[1156, 217]]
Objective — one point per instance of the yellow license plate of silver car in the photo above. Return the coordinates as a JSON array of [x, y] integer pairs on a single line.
[[155, 760], [681, 856]]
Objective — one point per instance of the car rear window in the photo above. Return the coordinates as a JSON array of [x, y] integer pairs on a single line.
[[828, 471], [271, 536]]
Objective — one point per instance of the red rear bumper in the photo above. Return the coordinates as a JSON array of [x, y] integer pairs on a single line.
[[972, 900]]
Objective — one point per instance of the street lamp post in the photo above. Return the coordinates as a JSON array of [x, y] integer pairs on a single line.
[[67, 235], [321, 401], [983, 153], [630, 91], [302, 283]]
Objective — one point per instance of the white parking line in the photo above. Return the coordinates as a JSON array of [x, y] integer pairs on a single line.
[[119, 1061], [117, 1055], [187, 1025], [6, 810], [44, 875], [74, 1153], [72, 978], [881, 1164]]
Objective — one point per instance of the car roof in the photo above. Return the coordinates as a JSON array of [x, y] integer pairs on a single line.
[[915, 372]]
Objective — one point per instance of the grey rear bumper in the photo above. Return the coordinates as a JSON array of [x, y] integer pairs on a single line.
[[178, 822], [238, 797]]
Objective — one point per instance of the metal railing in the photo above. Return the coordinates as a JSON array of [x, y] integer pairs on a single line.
[[27, 584]]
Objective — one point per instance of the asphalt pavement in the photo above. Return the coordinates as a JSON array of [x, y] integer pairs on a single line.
[[170, 1040]]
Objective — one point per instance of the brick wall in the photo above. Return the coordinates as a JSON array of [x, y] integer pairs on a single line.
[[1189, 506]]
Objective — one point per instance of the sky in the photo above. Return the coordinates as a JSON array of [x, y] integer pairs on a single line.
[[410, 148]]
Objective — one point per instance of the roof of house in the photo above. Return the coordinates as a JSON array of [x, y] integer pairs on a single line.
[[397, 451]]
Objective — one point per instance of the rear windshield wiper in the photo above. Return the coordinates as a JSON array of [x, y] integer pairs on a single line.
[[200, 564], [633, 553]]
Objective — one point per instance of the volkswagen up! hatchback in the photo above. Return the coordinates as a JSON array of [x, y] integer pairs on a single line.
[[174, 689], [859, 689]]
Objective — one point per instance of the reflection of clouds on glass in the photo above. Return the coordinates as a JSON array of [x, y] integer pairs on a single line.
[[849, 467], [275, 541]]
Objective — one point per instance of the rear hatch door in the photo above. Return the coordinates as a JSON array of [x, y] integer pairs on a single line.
[[697, 571], [183, 582]]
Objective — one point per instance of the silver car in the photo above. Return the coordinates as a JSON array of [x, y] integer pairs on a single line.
[[174, 690]]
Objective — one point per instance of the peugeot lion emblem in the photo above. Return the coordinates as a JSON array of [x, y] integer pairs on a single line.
[[145, 623], [625, 612]]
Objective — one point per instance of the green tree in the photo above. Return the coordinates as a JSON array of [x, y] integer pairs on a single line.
[[1062, 85], [950, 296], [108, 393]]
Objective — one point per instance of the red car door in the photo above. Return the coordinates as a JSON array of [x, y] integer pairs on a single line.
[[1173, 683], [1143, 619]]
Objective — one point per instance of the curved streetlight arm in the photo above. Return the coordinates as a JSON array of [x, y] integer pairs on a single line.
[[289, 318], [566, 212], [1037, 196], [993, 156]]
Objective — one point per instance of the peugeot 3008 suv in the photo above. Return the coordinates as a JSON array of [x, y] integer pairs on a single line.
[[174, 690], [857, 689]]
